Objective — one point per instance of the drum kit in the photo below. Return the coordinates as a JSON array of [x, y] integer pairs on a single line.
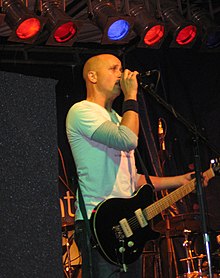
[[187, 227]]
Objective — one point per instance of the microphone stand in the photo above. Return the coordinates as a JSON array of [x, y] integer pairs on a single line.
[[170, 249], [199, 188], [167, 229]]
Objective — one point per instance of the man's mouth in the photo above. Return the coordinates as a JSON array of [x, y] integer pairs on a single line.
[[117, 83]]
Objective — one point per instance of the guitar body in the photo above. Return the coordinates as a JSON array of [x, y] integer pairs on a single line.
[[114, 245]]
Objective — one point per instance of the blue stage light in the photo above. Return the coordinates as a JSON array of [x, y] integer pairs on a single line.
[[209, 30], [118, 30], [213, 39], [116, 27]]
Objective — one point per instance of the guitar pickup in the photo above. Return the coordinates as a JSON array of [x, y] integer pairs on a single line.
[[126, 227], [140, 217]]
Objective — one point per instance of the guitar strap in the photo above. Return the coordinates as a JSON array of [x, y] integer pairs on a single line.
[[83, 211], [88, 230], [146, 174]]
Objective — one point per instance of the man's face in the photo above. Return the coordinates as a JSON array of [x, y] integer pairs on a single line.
[[108, 76]]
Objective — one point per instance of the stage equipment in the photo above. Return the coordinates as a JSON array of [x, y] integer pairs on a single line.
[[196, 260], [63, 29], [25, 25], [115, 27], [198, 248], [196, 135], [71, 255], [162, 133], [209, 31], [184, 32], [191, 272], [180, 222], [150, 30], [163, 155]]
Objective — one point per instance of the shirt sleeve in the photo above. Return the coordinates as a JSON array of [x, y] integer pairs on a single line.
[[117, 137], [83, 120], [95, 124]]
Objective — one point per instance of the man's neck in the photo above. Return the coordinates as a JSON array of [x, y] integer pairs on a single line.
[[107, 104]]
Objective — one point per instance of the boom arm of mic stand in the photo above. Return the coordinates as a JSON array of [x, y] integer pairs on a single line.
[[200, 193]]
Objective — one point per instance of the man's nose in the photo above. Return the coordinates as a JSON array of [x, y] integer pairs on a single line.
[[119, 73]]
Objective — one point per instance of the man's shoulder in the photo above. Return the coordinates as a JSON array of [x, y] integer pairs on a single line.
[[80, 104], [78, 107], [85, 104]]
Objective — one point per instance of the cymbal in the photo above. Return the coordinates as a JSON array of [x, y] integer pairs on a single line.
[[189, 221]]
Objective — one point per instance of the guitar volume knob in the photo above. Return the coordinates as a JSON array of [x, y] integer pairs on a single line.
[[130, 244], [121, 249]]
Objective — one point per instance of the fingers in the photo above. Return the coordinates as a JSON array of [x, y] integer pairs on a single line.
[[204, 178], [127, 74], [129, 77], [129, 84]]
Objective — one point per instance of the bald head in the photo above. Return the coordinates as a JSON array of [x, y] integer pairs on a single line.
[[95, 63]]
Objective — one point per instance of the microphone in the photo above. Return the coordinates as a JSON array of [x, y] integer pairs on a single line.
[[146, 73], [161, 135]]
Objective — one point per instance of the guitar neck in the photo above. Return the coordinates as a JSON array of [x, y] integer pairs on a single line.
[[162, 204]]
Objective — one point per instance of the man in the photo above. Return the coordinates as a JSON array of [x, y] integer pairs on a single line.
[[103, 145]]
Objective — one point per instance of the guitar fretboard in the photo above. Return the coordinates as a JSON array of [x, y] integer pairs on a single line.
[[162, 204]]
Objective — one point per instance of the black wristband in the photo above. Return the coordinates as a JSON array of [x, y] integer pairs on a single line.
[[130, 104]]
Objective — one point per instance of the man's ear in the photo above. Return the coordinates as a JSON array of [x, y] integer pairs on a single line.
[[92, 76]]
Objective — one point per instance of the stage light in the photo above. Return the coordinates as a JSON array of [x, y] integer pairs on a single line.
[[2, 18], [209, 31], [151, 31], [115, 28], [63, 29], [184, 32], [25, 26]]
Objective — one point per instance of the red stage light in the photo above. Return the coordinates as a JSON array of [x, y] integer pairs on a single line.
[[65, 32], [186, 35], [25, 25], [62, 27], [28, 28], [151, 30], [154, 35]]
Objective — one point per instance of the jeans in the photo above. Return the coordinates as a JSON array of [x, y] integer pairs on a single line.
[[100, 268]]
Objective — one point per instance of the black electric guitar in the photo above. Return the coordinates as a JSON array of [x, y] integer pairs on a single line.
[[121, 227]]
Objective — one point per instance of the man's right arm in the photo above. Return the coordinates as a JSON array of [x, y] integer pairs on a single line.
[[129, 86]]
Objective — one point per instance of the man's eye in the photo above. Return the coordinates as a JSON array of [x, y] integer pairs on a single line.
[[116, 68], [113, 68]]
